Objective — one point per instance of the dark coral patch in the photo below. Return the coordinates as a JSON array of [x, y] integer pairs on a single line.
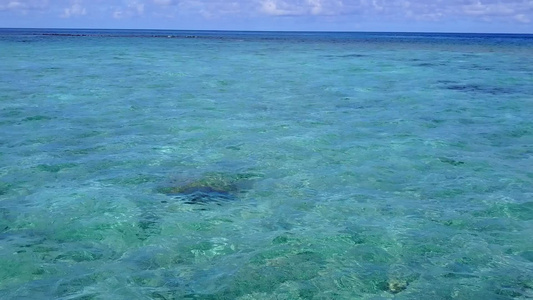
[[209, 188], [476, 88], [204, 195], [450, 161]]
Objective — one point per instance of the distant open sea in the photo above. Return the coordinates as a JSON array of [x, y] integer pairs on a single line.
[[146, 164]]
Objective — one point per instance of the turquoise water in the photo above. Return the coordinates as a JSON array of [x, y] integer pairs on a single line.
[[242, 165]]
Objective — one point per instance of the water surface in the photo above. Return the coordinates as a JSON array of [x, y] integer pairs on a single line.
[[265, 165]]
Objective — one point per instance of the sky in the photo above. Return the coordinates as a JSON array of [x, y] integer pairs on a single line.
[[498, 16]]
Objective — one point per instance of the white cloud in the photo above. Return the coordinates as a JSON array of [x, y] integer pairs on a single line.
[[118, 14], [137, 6], [437, 9], [128, 9], [299, 8], [315, 7], [522, 18], [23, 5], [75, 9], [279, 8], [211, 9]]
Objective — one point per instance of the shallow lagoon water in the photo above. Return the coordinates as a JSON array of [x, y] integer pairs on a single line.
[[332, 165]]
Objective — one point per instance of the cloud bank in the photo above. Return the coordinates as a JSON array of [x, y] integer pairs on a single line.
[[346, 11]]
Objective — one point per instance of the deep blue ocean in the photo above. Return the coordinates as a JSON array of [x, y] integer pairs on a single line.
[[146, 164]]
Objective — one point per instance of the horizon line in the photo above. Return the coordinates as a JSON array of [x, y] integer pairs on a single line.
[[248, 30]]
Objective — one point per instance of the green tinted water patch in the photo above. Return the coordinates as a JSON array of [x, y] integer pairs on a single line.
[[4, 188], [317, 260], [6, 218], [369, 235], [512, 283], [516, 211], [17, 259], [214, 181], [13, 113], [267, 274], [135, 181]]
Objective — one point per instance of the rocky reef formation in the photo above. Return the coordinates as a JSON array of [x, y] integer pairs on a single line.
[[211, 187]]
